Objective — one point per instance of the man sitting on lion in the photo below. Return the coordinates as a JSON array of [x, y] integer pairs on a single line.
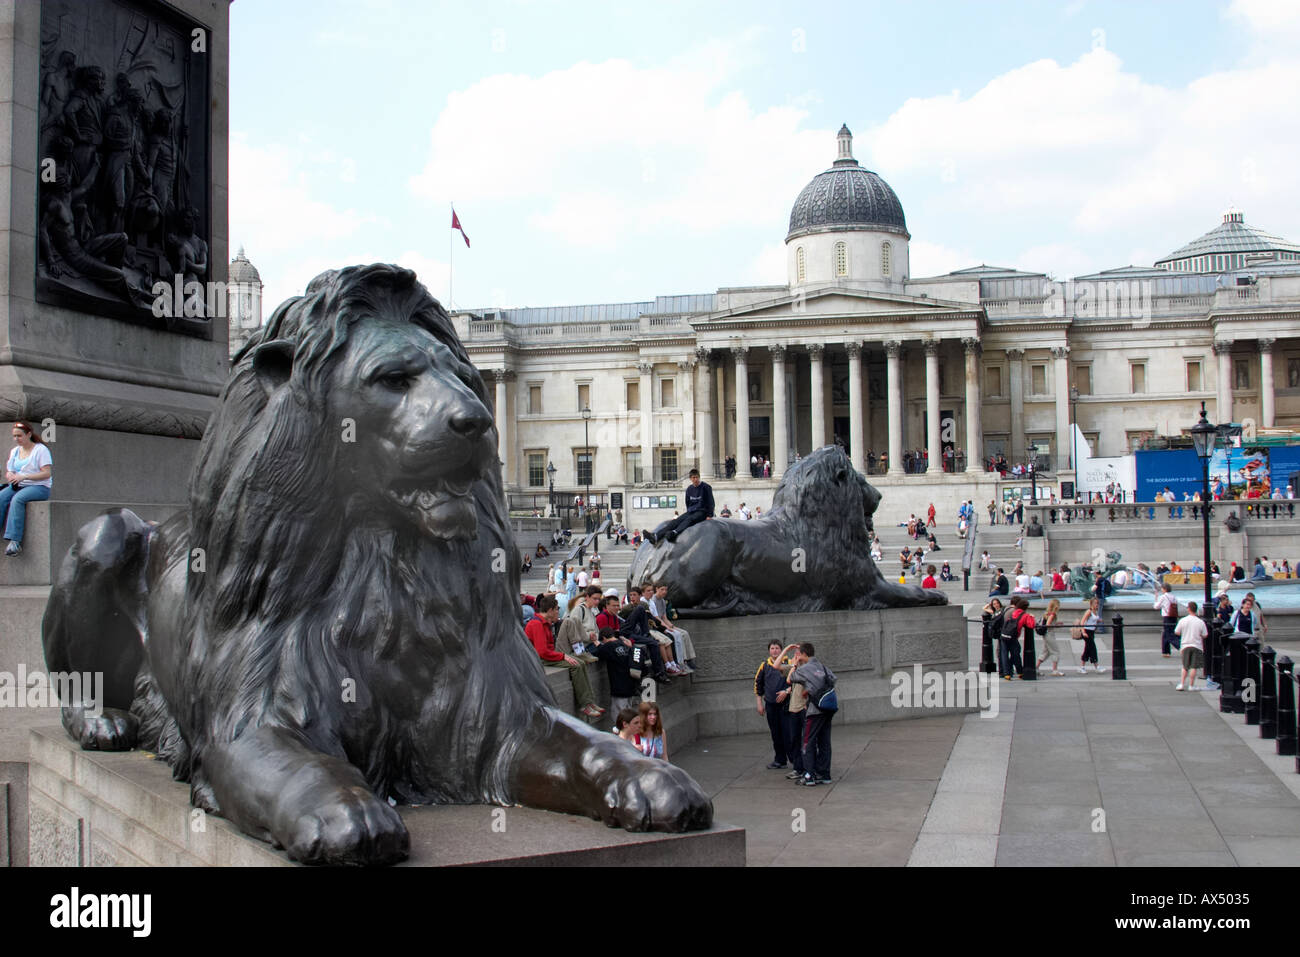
[[809, 552]]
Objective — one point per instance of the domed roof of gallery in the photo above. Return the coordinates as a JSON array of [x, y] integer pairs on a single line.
[[845, 197], [241, 270]]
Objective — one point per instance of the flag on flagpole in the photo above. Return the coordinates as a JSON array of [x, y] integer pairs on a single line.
[[455, 224]]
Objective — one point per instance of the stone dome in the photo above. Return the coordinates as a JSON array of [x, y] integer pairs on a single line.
[[846, 196], [241, 270]]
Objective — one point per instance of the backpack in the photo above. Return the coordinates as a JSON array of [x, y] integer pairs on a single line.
[[1011, 627]]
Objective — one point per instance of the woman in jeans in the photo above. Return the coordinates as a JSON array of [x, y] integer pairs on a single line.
[[1089, 622], [1050, 648], [27, 479]]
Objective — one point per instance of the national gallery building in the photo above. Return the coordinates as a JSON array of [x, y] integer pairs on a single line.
[[952, 370]]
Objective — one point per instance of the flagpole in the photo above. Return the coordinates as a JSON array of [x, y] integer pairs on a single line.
[[451, 258]]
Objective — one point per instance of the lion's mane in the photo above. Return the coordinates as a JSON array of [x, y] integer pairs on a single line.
[[295, 600]]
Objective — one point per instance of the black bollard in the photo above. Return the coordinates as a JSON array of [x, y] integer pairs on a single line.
[[1213, 641], [1118, 669], [1286, 718], [988, 664], [965, 579], [1234, 674], [1250, 690], [1267, 694], [1029, 658]]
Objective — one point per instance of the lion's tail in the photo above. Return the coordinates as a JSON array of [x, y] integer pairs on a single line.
[[718, 611]]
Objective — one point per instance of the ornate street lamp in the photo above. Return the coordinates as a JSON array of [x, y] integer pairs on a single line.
[[550, 474], [1203, 436], [1074, 427], [1032, 455]]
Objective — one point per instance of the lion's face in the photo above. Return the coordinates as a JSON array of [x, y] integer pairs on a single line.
[[422, 436]]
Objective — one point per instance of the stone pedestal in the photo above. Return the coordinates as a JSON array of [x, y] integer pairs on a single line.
[[92, 809]]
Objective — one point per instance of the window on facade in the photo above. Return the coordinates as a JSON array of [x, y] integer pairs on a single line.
[[668, 465], [886, 255], [993, 381], [1193, 375], [634, 396], [667, 393], [1135, 439], [584, 396], [537, 469], [1241, 374], [632, 467], [534, 400], [1094, 442], [584, 468], [1083, 379], [800, 269], [1038, 380], [755, 386], [841, 259], [1293, 373], [1137, 377]]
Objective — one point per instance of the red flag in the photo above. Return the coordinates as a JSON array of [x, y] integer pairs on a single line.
[[455, 224]]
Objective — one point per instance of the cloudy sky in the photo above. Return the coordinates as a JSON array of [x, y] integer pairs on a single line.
[[603, 152]]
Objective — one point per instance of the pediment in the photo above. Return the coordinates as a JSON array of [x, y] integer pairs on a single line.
[[833, 303]]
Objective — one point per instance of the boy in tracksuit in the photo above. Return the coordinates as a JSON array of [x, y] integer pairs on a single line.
[[769, 685]]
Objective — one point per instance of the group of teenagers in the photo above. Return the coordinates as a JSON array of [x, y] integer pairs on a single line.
[[796, 693], [636, 639]]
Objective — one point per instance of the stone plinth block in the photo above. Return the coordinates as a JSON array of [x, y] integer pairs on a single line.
[[91, 808]]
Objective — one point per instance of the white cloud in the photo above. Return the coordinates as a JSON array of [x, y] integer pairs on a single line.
[[934, 259], [1100, 153], [598, 150]]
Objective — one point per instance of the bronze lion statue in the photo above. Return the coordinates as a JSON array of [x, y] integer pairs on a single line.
[[335, 621], [810, 552]]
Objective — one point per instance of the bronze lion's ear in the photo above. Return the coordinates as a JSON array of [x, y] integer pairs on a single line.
[[842, 475], [273, 363]]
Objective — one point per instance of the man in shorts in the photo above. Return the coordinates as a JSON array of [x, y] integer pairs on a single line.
[[1191, 632]]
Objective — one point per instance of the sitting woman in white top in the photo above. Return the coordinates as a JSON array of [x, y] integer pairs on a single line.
[[27, 479]]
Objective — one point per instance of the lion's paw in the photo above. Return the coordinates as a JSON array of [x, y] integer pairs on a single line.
[[353, 827], [657, 797], [110, 730]]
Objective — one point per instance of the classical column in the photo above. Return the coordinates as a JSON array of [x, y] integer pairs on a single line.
[[1223, 384], [646, 395], [704, 411], [894, 391], [934, 449], [866, 400], [817, 394], [502, 423], [686, 402], [742, 411], [722, 412], [1016, 375], [1063, 443], [857, 442], [974, 426], [1266, 382], [780, 428]]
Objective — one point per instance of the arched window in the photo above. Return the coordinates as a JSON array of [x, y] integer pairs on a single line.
[[886, 254], [800, 269], [841, 259]]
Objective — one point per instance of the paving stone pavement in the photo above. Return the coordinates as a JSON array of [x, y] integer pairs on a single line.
[[1074, 771]]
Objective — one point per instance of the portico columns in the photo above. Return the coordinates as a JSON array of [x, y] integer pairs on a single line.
[[690, 446], [857, 451], [817, 382], [742, 410], [780, 429], [722, 414], [1063, 443], [974, 425], [932, 444], [1223, 383], [646, 390], [1266, 410], [502, 423], [1016, 375], [894, 391], [704, 409]]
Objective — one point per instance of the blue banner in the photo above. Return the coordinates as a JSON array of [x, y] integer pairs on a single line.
[[1177, 469]]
